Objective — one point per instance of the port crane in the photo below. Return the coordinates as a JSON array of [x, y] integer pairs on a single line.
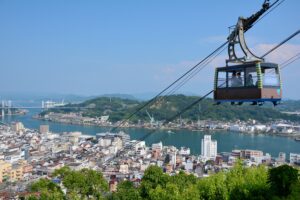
[[152, 120]]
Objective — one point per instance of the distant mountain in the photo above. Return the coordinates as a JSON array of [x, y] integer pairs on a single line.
[[121, 96], [164, 108], [25, 99], [149, 95]]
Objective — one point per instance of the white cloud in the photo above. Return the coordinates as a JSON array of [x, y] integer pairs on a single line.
[[279, 55]]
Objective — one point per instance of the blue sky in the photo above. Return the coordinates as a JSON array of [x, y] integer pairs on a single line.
[[97, 47]]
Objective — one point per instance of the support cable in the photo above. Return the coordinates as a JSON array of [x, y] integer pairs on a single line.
[[273, 7], [168, 87], [210, 92], [290, 61], [281, 43]]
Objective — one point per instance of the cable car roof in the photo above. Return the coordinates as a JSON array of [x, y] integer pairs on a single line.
[[246, 65]]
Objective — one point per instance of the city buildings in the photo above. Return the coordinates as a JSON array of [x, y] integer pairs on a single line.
[[34, 154]]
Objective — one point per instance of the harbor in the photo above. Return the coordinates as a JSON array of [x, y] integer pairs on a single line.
[[231, 139]]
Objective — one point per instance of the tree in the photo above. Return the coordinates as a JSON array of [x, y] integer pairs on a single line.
[[282, 179], [249, 183], [126, 191], [295, 191], [48, 190], [85, 183], [183, 180], [153, 177], [213, 187], [170, 192], [62, 172]]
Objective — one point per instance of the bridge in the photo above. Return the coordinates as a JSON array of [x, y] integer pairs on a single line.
[[9, 107], [6, 105]]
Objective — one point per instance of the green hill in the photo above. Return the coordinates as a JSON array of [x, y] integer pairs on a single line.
[[168, 106]]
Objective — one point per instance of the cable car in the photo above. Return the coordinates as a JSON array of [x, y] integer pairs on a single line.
[[255, 82], [250, 79]]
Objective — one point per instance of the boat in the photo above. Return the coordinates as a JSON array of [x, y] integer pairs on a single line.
[[297, 139]]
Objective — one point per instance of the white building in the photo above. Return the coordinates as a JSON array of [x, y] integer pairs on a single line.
[[104, 142], [188, 165], [281, 157], [208, 147], [184, 151], [237, 128], [139, 144], [294, 158], [282, 128], [157, 146]]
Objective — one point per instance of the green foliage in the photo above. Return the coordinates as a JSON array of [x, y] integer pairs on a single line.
[[295, 191], [126, 191], [170, 191], [214, 187], [82, 184], [153, 177], [254, 183], [238, 183], [48, 190], [247, 183], [157, 185], [62, 172], [163, 109], [283, 179]]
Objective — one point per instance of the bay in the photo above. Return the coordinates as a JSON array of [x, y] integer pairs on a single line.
[[192, 139]]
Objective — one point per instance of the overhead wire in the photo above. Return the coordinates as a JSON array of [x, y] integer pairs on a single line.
[[195, 72], [281, 43], [210, 92], [290, 61], [168, 87], [157, 97], [282, 66], [267, 53], [272, 8], [177, 80]]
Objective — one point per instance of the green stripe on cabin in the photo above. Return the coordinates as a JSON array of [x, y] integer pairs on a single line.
[[259, 76]]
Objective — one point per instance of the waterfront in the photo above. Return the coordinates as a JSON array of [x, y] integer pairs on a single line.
[[226, 140]]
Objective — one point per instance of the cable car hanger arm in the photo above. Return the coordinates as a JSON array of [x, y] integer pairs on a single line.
[[237, 36]]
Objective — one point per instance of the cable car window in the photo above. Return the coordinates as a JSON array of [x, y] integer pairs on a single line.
[[236, 79], [270, 77], [221, 80], [251, 77]]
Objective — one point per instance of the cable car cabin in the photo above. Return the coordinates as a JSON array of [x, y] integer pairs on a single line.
[[255, 82]]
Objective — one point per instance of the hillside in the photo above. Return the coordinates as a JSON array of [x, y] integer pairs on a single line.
[[168, 106]]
